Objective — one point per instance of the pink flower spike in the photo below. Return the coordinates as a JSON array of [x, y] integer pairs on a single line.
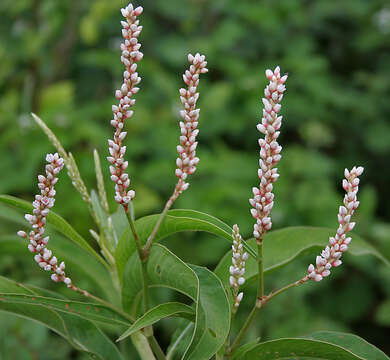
[[187, 160], [330, 257], [42, 204], [262, 202], [130, 56]]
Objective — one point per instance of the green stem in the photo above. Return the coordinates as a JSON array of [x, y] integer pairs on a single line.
[[243, 329], [141, 258], [260, 302], [260, 262], [152, 235], [156, 348], [283, 289]]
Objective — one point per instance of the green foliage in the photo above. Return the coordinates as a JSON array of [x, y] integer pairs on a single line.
[[82, 334], [212, 322], [324, 345], [61, 61], [175, 221]]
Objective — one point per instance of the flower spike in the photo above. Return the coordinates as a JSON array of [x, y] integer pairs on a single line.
[[42, 205], [331, 255], [263, 199], [237, 269], [187, 160], [130, 56]]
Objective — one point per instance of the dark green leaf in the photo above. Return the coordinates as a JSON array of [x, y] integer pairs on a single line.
[[82, 334]]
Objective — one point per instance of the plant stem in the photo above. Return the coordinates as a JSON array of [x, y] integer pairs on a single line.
[[260, 302], [283, 289], [260, 262], [152, 235], [156, 348], [243, 329], [141, 258]]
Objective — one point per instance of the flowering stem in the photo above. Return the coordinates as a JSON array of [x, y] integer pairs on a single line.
[[143, 263], [243, 330], [260, 262], [146, 249], [260, 302]]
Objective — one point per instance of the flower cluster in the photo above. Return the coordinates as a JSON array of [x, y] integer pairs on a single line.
[[42, 205], [262, 200], [330, 256], [237, 269], [130, 56], [187, 160]]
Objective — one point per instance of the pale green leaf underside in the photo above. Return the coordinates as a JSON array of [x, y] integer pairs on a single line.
[[175, 221], [281, 247], [84, 335], [321, 346], [160, 312], [164, 269], [57, 221]]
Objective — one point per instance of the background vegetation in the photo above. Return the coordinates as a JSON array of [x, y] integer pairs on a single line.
[[60, 59]]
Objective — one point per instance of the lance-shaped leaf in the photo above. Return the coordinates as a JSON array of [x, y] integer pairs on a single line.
[[281, 247], [164, 269], [175, 221], [82, 334], [157, 313]]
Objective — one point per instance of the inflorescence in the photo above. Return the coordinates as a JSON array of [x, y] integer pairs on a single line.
[[187, 160], [42, 205], [130, 56], [263, 199], [237, 269], [331, 255]]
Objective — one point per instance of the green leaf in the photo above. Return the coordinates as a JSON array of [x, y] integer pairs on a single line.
[[353, 343], [212, 321], [281, 247], [80, 264], [157, 313], [175, 221], [326, 347], [57, 221], [83, 335], [89, 311]]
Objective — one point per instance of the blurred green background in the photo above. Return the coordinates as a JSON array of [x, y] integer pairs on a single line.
[[60, 59]]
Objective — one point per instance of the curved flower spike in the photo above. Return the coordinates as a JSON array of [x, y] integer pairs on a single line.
[[237, 269], [263, 199], [130, 56], [42, 205], [331, 255]]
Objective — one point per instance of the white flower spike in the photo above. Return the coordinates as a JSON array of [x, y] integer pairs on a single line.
[[130, 56], [263, 199]]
